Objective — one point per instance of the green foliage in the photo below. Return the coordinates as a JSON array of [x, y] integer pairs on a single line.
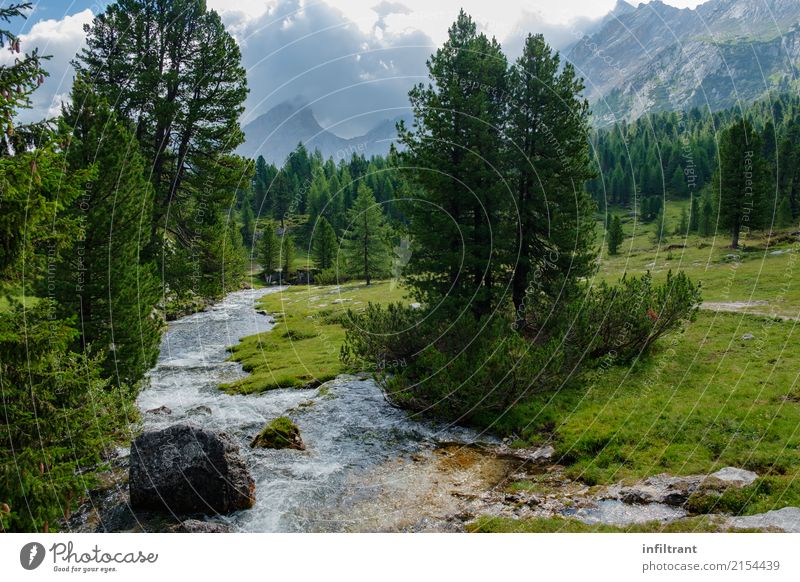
[[740, 180], [615, 236], [184, 103], [59, 416], [547, 142], [325, 245], [281, 433], [101, 278], [269, 249], [287, 252], [366, 244], [458, 219]]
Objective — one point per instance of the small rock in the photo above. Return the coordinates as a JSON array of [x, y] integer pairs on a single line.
[[281, 433], [735, 476], [161, 410], [201, 410], [415, 305], [748, 336]]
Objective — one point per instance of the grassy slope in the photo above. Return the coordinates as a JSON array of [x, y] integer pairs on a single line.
[[303, 346]]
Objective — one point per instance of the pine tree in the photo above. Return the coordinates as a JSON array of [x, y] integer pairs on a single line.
[[281, 194], [184, 101], [740, 179], [548, 156], [366, 248], [458, 220], [287, 257], [58, 413], [103, 280], [269, 249], [325, 244], [694, 214], [248, 221], [707, 218], [615, 236], [683, 226], [661, 227]]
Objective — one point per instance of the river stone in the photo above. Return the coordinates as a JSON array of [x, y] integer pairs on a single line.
[[200, 410], [281, 433], [187, 469], [163, 410], [786, 520]]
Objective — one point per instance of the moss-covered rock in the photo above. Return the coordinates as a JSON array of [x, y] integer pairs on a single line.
[[281, 433]]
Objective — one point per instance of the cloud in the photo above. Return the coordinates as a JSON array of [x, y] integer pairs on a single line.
[[351, 78], [560, 36], [61, 39]]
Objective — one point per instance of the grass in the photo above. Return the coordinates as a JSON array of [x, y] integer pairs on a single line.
[[705, 399], [756, 274], [303, 347], [699, 524]]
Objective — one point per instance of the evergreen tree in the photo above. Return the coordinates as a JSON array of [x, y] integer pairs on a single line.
[[661, 227], [707, 218], [783, 216], [325, 244], [58, 413], [683, 226], [615, 236], [458, 220], [548, 153], [366, 248], [103, 280], [184, 101], [248, 221], [694, 214], [287, 256], [281, 194], [740, 179], [269, 249]]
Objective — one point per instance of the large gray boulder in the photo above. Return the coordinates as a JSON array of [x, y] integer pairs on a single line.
[[187, 469]]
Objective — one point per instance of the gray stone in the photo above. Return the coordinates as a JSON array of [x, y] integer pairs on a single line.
[[786, 520], [748, 336], [201, 410], [735, 476], [161, 410], [187, 469]]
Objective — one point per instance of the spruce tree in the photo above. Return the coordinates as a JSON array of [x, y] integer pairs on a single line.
[[694, 214], [615, 236], [103, 280], [324, 244], [707, 218], [740, 178], [454, 155], [269, 249], [366, 245], [287, 256]]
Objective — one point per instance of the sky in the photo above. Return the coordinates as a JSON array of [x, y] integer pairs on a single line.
[[353, 61]]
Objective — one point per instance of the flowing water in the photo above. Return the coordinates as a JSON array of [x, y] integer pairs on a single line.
[[348, 427]]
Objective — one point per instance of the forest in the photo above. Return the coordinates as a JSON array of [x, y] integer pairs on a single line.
[[132, 208]]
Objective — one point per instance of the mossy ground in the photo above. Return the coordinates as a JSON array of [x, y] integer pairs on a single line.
[[281, 433], [303, 347]]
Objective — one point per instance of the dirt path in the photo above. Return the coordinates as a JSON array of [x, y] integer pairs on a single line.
[[760, 308]]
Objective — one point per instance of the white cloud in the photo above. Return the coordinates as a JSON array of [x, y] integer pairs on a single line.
[[61, 39]]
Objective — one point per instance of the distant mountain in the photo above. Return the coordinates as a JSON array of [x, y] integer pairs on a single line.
[[276, 134], [656, 57]]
